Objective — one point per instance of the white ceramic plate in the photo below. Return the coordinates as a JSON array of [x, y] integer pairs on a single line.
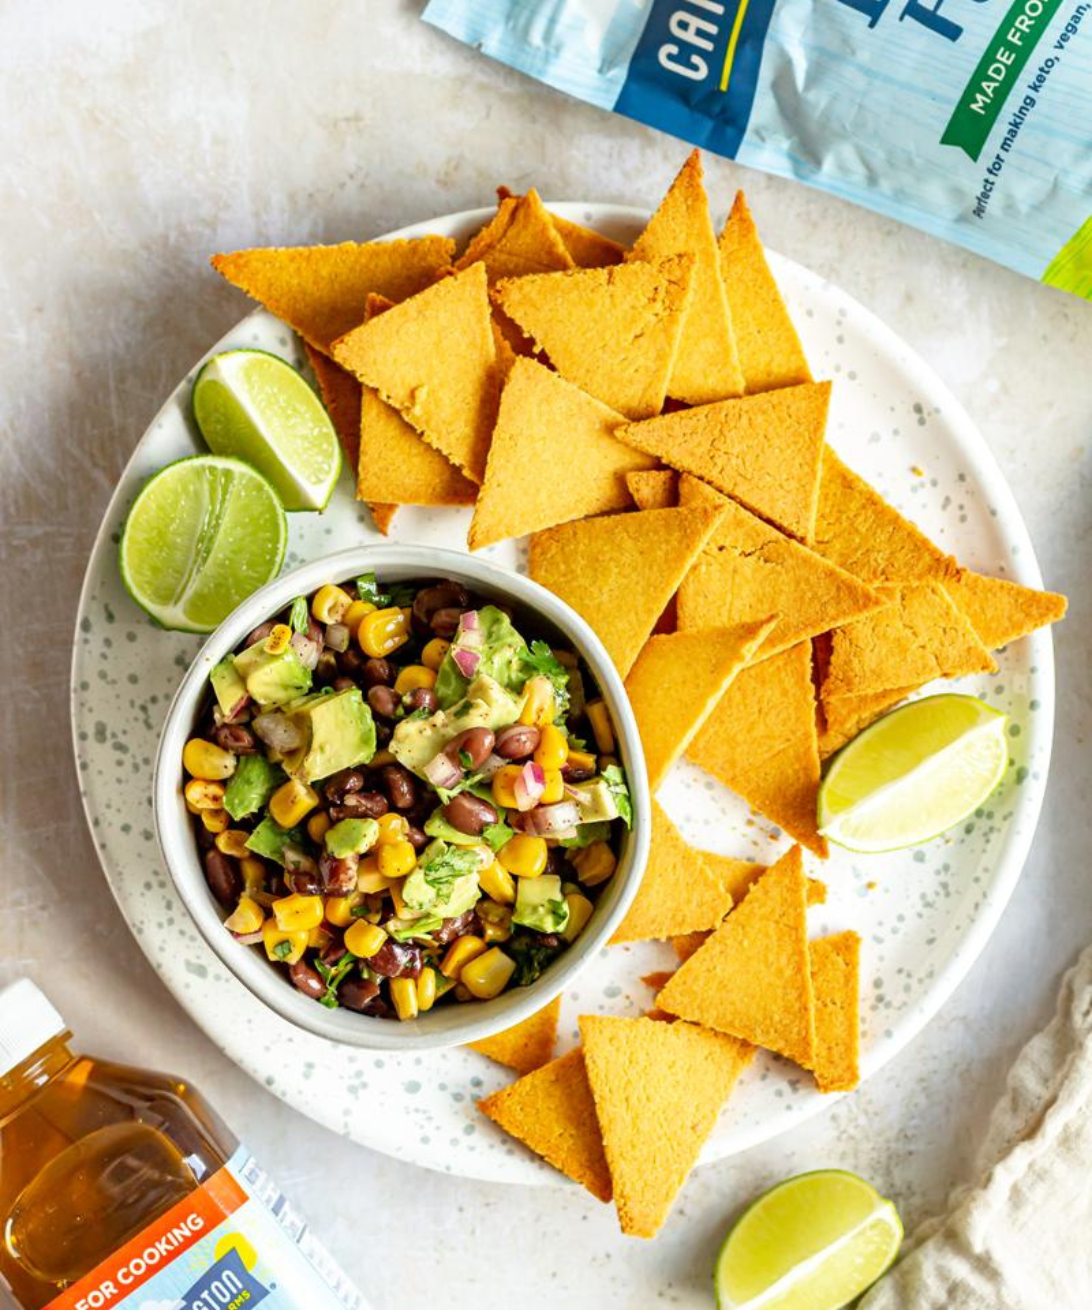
[[924, 914]]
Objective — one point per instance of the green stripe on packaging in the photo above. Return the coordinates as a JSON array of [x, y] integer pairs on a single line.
[[1071, 267]]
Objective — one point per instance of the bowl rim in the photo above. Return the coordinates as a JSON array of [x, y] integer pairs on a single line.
[[174, 835]]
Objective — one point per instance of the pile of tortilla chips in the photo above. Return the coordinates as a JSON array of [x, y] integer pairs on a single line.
[[648, 418]]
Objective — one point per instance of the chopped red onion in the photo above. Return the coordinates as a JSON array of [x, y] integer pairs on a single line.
[[470, 635], [307, 651], [337, 636], [490, 766], [466, 661], [278, 732], [247, 938], [556, 820], [442, 771], [529, 786]]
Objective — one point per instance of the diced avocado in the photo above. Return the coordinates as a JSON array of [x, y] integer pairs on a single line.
[[599, 830], [437, 826], [351, 837], [501, 658], [269, 839], [272, 679], [341, 735], [255, 779], [445, 881], [227, 686], [595, 800], [486, 705], [540, 904]]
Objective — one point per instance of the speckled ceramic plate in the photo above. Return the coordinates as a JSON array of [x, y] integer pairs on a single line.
[[923, 914]]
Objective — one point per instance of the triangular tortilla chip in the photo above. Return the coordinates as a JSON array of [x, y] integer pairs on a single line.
[[657, 980], [843, 717], [654, 488], [677, 894], [770, 353], [761, 742], [918, 636], [835, 981], [751, 978], [749, 570], [588, 248], [321, 291], [764, 451], [545, 424], [449, 395], [340, 393], [678, 679], [1001, 611], [619, 572], [552, 1112], [858, 530], [394, 461], [706, 366], [611, 331], [519, 239], [525, 1046], [737, 877], [658, 1090]]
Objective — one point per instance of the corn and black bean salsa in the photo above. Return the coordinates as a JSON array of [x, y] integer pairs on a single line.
[[402, 800]]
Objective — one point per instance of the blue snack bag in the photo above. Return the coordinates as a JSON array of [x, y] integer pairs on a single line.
[[971, 119]]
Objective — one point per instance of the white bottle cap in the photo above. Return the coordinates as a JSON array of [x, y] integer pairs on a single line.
[[27, 1021]]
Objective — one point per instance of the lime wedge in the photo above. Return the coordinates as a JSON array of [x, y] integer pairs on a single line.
[[913, 774], [203, 534], [812, 1243], [254, 406]]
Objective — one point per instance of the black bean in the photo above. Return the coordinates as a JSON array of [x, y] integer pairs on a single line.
[[333, 954], [351, 663], [205, 839], [444, 622], [572, 774], [341, 683], [517, 741], [469, 814], [417, 837], [384, 700], [356, 993], [235, 738], [378, 673], [338, 875], [304, 882], [400, 786], [467, 923], [308, 980], [326, 670], [342, 784], [421, 698], [360, 805], [396, 960], [444, 595], [470, 749], [223, 877]]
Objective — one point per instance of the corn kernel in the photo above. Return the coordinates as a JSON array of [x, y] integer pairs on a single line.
[[246, 917], [503, 785], [392, 827], [318, 825], [488, 975], [253, 870], [191, 808], [331, 604], [462, 993], [397, 859], [426, 990], [581, 760], [233, 843], [382, 632], [459, 954], [286, 947], [319, 938], [356, 612], [602, 728], [553, 748], [595, 863], [580, 911], [364, 939], [414, 676], [215, 821], [204, 759], [524, 856], [371, 882], [339, 909], [404, 996], [204, 795], [497, 882], [555, 787], [297, 913], [399, 901], [277, 641], [381, 759], [496, 921], [538, 704], [433, 654], [292, 803]]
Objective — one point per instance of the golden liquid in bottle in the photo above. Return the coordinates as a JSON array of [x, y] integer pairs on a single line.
[[90, 1154]]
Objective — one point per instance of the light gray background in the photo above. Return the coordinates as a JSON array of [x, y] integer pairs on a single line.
[[136, 139]]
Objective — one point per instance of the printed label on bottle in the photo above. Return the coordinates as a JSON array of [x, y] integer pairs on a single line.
[[233, 1242]]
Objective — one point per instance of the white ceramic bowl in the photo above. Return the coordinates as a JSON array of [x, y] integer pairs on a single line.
[[447, 1025]]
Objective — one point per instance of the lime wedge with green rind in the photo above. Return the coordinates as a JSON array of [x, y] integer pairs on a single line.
[[253, 406], [814, 1242], [202, 535], [913, 774]]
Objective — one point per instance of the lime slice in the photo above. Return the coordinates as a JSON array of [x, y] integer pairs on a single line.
[[256, 407], [203, 534], [812, 1243], [913, 773]]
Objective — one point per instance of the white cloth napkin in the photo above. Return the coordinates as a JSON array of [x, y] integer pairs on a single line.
[[1020, 1236]]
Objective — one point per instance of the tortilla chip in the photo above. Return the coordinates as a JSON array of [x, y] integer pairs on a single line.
[[764, 451], [706, 367], [619, 572], [677, 894], [687, 943], [657, 981], [544, 426], [770, 353], [676, 682], [749, 570], [1001, 611], [552, 1111], [761, 741], [844, 717], [525, 1046], [588, 248], [321, 291], [736, 877], [394, 461], [613, 332], [654, 488], [835, 980], [751, 977], [918, 636], [658, 1090], [859, 531], [448, 395], [520, 239]]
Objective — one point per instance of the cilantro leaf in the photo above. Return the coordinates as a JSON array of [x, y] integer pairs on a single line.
[[466, 759], [368, 589], [496, 834], [615, 779], [539, 659], [299, 617], [532, 955], [446, 864], [401, 595], [332, 976], [282, 950]]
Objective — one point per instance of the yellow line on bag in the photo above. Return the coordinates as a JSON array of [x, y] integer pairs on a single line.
[[726, 71]]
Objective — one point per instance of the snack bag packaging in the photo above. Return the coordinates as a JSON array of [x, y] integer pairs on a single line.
[[971, 119]]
